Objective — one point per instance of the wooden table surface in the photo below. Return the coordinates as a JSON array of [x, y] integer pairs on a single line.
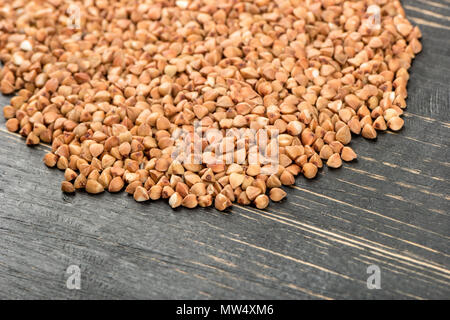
[[389, 208]]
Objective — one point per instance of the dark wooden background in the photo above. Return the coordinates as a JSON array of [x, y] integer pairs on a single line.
[[390, 208]]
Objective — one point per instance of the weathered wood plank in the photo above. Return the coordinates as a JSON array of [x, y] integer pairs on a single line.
[[389, 208]]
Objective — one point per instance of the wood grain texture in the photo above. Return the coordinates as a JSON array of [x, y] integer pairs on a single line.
[[389, 208]]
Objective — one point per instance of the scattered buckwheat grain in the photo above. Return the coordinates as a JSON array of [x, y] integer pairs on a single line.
[[110, 91]]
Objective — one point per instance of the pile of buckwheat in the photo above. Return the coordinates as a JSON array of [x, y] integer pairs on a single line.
[[111, 84]]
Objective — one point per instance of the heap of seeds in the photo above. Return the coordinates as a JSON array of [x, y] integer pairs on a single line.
[[109, 93]]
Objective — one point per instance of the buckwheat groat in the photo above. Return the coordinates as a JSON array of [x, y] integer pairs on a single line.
[[264, 90]]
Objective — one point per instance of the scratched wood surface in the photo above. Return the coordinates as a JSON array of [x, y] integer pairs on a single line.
[[390, 208]]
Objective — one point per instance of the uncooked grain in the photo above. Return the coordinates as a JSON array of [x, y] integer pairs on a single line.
[[109, 94]]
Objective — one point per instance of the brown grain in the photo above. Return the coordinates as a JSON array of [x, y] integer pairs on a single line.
[[110, 96]]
